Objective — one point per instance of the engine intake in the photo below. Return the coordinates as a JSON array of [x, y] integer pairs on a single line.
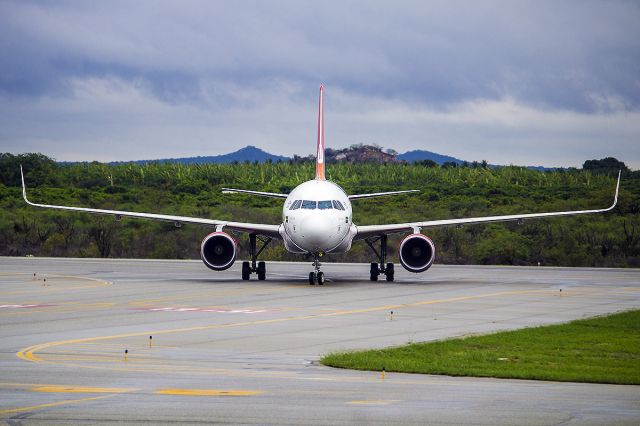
[[417, 253], [218, 251]]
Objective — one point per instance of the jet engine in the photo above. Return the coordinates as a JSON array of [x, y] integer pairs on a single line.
[[218, 251], [417, 253]]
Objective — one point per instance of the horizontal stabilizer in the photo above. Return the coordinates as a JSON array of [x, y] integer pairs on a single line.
[[381, 194], [246, 191]]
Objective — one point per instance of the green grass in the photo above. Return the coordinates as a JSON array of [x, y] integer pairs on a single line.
[[596, 350]]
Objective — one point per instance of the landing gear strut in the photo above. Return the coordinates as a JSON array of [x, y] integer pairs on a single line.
[[380, 267], [259, 267], [316, 276]]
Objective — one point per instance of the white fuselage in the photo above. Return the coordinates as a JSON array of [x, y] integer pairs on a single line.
[[317, 218]]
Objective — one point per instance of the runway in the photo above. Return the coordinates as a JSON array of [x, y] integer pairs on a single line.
[[225, 350]]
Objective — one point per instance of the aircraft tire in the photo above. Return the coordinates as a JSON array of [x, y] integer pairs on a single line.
[[375, 271], [320, 278], [246, 271], [262, 271], [389, 272], [312, 278]]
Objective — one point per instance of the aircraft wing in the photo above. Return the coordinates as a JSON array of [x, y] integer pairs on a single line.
[[373, 230], [257, 228]]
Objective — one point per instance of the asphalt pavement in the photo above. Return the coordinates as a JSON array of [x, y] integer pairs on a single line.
[[101, 341]]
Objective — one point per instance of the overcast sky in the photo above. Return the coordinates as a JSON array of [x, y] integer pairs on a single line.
[[548, 83]]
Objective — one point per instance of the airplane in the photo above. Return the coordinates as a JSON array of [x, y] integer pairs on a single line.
[[317, 220]]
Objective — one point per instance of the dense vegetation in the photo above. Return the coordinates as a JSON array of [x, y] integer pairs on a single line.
[[611, 239], [597, 350]]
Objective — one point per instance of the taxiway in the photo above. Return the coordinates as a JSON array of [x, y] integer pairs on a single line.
[[227, 351]]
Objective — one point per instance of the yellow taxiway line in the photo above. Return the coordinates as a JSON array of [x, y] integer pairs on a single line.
[[55, 404], [29, 353], [53, 285], [374, 402], [207, 392], [79, 389], [111, 392]]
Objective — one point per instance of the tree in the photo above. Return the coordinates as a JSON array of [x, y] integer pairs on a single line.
[[66, 227], [499, 245], [38, 167], [103, 235], [605, 165], [427, 163]]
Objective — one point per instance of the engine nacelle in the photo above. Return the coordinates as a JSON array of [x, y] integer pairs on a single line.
[[218, 251], [417, 253]]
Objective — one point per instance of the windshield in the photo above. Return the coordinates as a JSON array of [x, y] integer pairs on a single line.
[[307, 204], [323, 205]]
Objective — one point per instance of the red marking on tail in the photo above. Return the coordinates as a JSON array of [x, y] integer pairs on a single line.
[[320, 152]]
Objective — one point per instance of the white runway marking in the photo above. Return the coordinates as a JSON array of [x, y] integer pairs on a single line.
[[23, 306]]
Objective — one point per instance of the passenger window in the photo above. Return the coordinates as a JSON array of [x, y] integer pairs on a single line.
[[338, 205], [307, 204], [324, 205], [296, 204]]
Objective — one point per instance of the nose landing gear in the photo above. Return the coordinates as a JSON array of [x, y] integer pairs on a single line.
[[316, 276], [258, 267], [381, 267]]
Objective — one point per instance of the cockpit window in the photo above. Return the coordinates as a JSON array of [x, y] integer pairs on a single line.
[[337, 205], [296, 204], [307, 204], [324, 205]]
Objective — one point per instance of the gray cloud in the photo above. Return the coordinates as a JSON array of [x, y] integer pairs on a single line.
[[201, 77]]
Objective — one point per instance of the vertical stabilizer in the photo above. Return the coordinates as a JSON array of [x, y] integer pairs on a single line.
[[320, 152]]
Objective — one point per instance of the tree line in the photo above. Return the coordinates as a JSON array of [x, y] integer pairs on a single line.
[[611, 239]]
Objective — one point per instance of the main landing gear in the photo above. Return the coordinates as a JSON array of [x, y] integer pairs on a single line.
[[317, 276], [259, 267], [380, 267]]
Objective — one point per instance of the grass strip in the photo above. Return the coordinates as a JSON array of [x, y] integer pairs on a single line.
[[596, 350]]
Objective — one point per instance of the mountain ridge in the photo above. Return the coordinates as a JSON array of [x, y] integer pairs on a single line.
[[355, 153], [248, 153]]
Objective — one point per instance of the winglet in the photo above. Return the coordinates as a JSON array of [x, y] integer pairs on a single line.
[[615, 198], [320, 151], [24, 188]]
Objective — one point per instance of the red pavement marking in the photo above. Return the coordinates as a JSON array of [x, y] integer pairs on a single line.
[[213, 310]]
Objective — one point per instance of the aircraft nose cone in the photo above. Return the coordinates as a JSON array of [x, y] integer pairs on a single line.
[[314, 230]]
